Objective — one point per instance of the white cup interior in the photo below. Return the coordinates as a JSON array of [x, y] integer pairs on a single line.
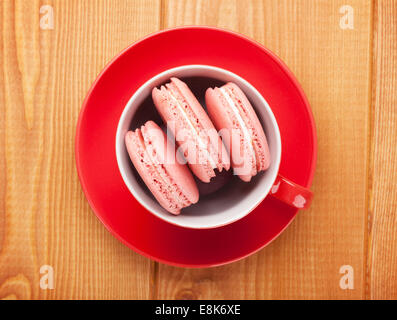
[[237, 198]]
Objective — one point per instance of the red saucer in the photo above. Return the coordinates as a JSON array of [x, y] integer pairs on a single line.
[[96, 162]]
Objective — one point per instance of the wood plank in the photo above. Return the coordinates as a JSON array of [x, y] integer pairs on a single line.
[[382, 257], [44, 216], [333, 66]]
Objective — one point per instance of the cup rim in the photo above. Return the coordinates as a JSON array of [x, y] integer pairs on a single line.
[[137, 93]]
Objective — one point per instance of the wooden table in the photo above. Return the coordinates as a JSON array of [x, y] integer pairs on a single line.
[[349, 76]]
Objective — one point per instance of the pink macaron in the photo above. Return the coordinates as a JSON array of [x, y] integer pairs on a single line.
[[193, 130], [156, 161], [230, 109]]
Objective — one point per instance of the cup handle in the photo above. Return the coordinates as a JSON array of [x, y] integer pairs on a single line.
[[291, 193]]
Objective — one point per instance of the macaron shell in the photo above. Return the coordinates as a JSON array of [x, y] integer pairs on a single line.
[[217, 111], [205, 122], [264, 154], [223, 117], [168, 115], [135, 148], [179, 171], [202, 170], [248, 168], [181, 180]]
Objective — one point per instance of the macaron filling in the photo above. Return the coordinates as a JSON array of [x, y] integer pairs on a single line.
[[175, 199], [189, 147], [260, 145], [196, 135], [188, 115], [160, 168], [247, 136]]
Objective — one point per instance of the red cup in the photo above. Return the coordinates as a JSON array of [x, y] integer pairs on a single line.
[[237, 199]]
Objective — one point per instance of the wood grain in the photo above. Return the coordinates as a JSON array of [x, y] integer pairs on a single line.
[[44, 217], [333, 66], [382, 258], [349, 78]]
